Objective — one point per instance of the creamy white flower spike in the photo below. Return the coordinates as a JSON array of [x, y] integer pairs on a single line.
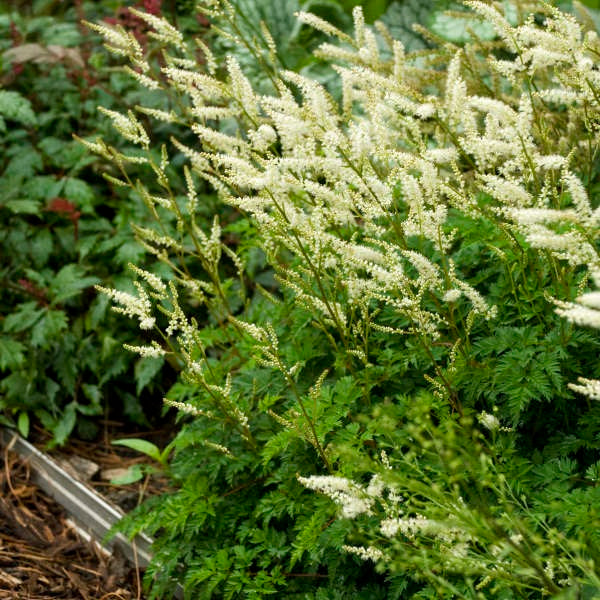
[[587, 387], [153, 351], [579, 314], [365, 553], [489, 421], [352, 499], [138, 307]]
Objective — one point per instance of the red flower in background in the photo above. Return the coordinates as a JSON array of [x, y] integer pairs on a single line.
[[132, 23], [38, 293], [64, 207], [152, 6]]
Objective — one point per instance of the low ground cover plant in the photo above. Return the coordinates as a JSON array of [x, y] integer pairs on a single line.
[[388, 335], [65, 228]]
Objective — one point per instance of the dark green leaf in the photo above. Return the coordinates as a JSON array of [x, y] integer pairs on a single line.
[[129, 252], [23, 318], [145, 371], [11, 353], [92, 393], [15, 107], [63, 427], [80, 193], [46, 330], [70, 281], [41, 247], [30, 207]]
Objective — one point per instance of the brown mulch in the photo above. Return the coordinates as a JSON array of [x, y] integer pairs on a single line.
[[42, 557], [108, 457]]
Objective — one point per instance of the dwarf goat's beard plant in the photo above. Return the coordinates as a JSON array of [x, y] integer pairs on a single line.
[[397, 313]]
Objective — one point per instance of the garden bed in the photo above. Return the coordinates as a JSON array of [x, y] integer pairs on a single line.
[[56, 508], [43, 555]]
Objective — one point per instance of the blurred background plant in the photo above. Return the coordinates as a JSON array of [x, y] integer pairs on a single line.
[[64, 228]]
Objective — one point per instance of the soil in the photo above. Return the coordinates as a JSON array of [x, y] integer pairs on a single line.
[[42, 557]]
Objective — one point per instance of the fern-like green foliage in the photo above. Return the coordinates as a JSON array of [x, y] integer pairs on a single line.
[[380, 332]]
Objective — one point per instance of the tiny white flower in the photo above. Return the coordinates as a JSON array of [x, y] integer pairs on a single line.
[[452, 295], [489, 421]]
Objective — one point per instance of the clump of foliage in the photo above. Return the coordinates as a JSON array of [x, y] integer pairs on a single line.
[[63, 229], [387, 335]]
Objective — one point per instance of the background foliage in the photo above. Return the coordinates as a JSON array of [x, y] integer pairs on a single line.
[[64, 228]]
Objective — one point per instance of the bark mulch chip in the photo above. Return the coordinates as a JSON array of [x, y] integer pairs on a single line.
[[42, 557]]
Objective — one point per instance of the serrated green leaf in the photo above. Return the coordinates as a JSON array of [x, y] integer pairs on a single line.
[[80, 193], [62, 34], [69, 282], [29, 207], [145, 371], [24, 163], [86, 244], [16, 387], [92, 393], [41, 246], [97, 311], [23, 318], [66, 367], [11, 353], [593, 472], [15, 107], [52, 147], [90, 410], [46, 330], [51, 390], [129, 252], [60, 153], [63, 427], [42, 187]]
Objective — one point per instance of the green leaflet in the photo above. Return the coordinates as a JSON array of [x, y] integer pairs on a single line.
[[46, 331], [15, 107], [23, 318], [146, 370], [11, 353]]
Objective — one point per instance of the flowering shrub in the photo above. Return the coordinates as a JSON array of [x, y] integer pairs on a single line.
[[389, 362]]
